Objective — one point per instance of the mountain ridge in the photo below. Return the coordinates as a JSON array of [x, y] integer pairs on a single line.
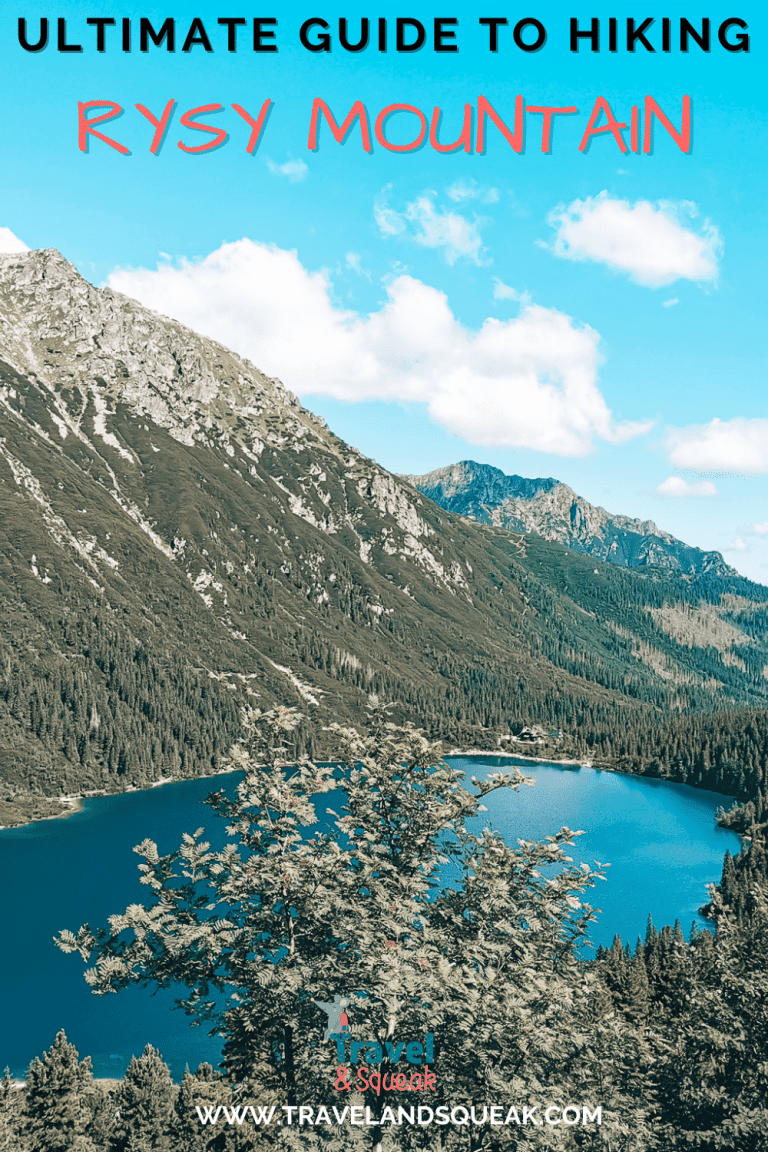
[[553, 510], [178, 535]]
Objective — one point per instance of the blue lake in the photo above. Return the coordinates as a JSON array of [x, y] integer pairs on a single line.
[[660, 839]]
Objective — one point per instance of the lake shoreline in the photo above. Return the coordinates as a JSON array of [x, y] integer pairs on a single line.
[[468, 752], [71, 804], [74, 803]]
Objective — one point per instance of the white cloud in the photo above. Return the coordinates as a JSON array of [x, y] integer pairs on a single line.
[[670, 303], [649, 241], [525, 382], [502, 291], [471, 190], [10, 243], [761, 529], [739, 445], [390, 223], [432, 227], [737, 545], [295, 170], [676, 486], [353, 263]]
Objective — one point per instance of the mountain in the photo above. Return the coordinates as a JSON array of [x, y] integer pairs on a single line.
[[178, 535], [553, 510]]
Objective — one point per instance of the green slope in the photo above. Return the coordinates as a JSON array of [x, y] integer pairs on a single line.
[[176, 533]]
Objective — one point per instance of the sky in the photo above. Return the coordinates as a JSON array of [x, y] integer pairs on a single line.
[[594, 313]]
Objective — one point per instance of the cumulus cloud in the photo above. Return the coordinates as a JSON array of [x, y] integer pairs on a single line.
[[295, 170], [432, 227], [526, 382], [10, 243], [676, 486], [651, 242], [739, 445], [737, 545], [761, 529]]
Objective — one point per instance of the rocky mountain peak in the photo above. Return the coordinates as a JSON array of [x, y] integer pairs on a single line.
[[99, 378], [477, 486], [84, 343], [551, 509]]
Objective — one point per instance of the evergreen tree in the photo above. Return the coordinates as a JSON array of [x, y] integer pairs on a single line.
[[714, 1071], [635, 994], [144, 1106], [55, 1112], [10, 1103], [205, 1088]]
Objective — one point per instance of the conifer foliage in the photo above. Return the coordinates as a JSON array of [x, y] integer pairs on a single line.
[[55, 1116], [144, 1105], [10, 1101]]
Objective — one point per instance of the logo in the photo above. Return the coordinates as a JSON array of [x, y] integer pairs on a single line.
[[369, 1055], [338, 1021]]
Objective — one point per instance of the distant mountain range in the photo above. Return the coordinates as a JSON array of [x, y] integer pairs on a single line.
[[553, 510], [179, 535]]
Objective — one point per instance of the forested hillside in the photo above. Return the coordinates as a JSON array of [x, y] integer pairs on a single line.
[[178, 535]]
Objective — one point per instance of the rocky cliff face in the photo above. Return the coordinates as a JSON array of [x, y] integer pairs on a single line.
[[554, 511], [104, 370]]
